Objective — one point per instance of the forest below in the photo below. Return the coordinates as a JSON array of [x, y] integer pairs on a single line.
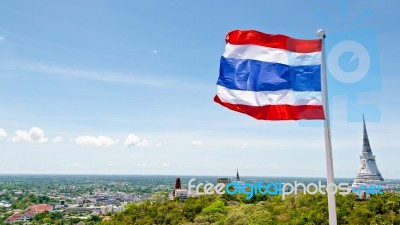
[[261, 209]]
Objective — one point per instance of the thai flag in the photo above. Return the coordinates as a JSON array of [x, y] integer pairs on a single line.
[[271, 77]]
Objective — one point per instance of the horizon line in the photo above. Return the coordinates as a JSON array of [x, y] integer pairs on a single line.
[[167, 175]]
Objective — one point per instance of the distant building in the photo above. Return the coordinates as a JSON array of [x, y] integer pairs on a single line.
[[182, 193], [103, 209], [224, 180], [178, 190], [30, 212], [119, 208], [177, 186], [17, 217], [40, 208], [110, 208], [368, 172], [5, 204], [79, 209]]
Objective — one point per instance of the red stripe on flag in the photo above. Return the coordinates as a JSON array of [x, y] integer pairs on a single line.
[[278, 112], [253, 37]]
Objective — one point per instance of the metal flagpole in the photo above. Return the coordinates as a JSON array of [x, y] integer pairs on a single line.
[[328, 142]]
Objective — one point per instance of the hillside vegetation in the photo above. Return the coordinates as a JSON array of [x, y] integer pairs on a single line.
[[236, 210]]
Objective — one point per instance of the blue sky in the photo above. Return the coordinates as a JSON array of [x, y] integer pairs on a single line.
[[73, 71]]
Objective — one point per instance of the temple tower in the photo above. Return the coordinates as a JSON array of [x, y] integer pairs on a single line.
[[178, 186], [368, 171]]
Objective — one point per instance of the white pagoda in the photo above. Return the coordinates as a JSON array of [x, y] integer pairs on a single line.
[[368, 172]]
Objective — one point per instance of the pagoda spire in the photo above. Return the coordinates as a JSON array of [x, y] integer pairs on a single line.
[[366, 145]]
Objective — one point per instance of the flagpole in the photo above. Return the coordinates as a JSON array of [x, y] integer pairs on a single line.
[[327, 131]]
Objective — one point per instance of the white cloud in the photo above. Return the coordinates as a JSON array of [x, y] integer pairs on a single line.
[[133, 140], [58, 140], [103, 76], [197, 143], [3, 133], [144, 143], [100, 141], [243, 146], [157, 144], [35, 134]]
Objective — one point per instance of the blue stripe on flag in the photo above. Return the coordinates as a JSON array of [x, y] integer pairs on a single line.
[[253, 75]]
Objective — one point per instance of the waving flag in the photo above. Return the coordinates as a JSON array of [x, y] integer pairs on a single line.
[[271, 77]]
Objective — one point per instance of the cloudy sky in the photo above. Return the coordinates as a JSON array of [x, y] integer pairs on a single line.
[[99, 87]]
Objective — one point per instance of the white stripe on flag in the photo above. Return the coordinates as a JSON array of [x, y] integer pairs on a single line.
[[262, 98], [274, 55]]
